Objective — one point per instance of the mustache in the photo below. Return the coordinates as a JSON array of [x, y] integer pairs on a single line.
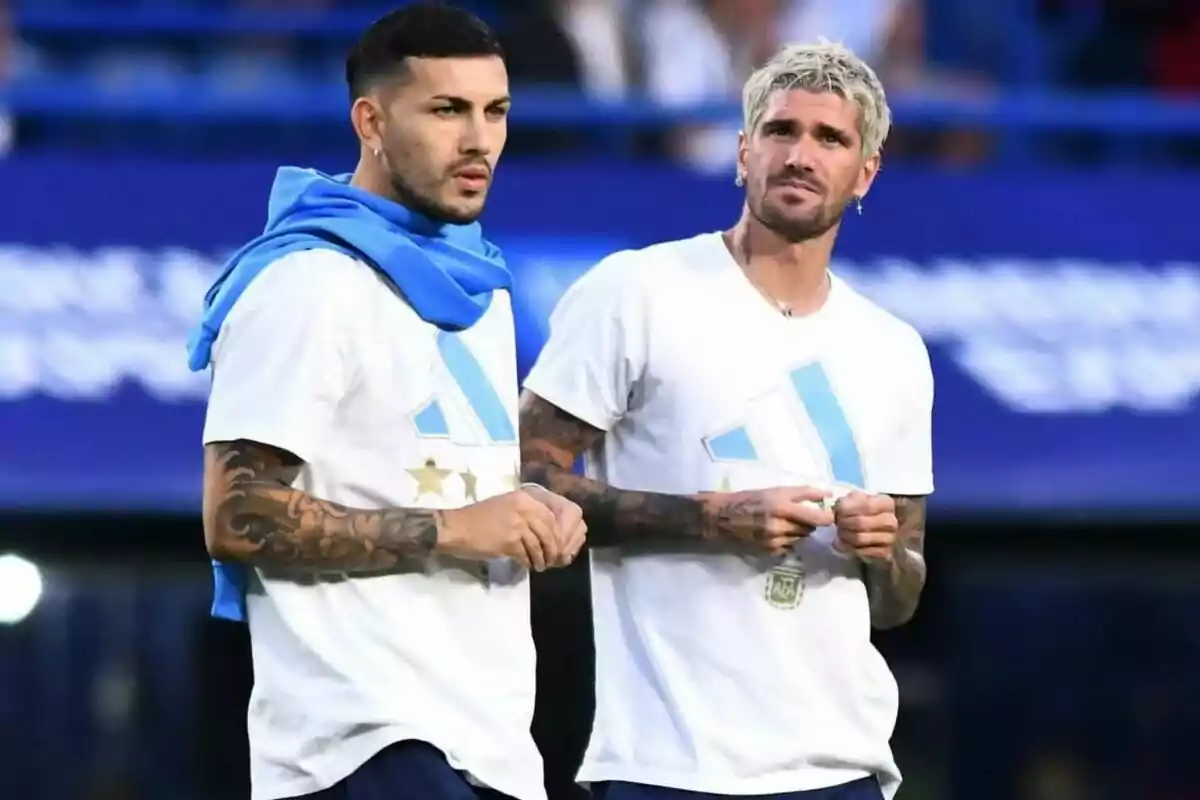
[[792, 177], [470, 162]]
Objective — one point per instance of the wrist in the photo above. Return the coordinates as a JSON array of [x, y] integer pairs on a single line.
[[891, 569], [447, 530], [712, 504]]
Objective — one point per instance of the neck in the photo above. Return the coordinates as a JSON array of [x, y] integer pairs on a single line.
[[794, 274], [371, 179]]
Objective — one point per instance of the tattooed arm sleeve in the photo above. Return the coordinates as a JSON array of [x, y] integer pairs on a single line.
[[895, 587], [551, 440], [253, 516]]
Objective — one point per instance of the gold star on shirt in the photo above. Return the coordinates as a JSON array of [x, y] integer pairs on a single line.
[[469, 479], [429, 478]]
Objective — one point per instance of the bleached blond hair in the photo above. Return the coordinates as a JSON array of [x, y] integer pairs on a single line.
[[822, 67]]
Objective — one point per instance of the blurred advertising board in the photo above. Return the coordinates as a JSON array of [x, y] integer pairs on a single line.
[[1062, 312]]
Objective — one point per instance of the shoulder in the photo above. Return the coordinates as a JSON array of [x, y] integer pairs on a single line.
[[320, 273], [301, 297], [642, 270], [702, 249], [898, 341], [317, 284]]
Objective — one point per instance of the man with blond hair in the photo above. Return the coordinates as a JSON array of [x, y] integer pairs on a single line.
[[757, 440]]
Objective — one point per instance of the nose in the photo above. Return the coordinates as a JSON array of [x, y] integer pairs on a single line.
[[802, 156], [473, 140]]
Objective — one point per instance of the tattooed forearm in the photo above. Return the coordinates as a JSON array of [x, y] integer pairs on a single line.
[[252, 516], [551, 439], [895, 587]]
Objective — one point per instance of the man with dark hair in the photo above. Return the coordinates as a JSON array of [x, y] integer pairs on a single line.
[[362, 495]]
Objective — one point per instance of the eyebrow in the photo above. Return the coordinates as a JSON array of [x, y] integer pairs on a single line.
[[820, 128], [825, 127], [450, 98]]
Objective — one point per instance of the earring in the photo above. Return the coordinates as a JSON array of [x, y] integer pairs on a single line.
[[375, 152], [858, 205], [739, 180]]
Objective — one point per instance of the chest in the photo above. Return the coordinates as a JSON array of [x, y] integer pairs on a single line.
[[762, 399], [438, 409]]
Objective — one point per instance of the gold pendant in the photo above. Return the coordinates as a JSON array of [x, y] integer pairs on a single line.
[[785, 585]]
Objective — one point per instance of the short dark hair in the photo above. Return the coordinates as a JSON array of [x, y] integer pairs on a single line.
[[418, 30]]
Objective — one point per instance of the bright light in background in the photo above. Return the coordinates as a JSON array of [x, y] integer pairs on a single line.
[[20, 588]]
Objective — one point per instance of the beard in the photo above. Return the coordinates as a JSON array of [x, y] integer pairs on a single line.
[[797, 228], [427, 204]]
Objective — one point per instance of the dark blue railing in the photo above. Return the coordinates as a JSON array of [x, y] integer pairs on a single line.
[[70, 93], [193, 22]]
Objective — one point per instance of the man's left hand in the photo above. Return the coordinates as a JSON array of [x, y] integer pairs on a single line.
[[866, 526]]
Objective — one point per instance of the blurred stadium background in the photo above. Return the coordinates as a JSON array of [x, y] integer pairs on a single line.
[[1036, 220]]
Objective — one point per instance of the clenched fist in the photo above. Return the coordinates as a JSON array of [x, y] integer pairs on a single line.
[[516, 525], [866, 525], [569, 526]]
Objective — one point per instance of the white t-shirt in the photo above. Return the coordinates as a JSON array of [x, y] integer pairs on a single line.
[[322, 357], [717, 672]]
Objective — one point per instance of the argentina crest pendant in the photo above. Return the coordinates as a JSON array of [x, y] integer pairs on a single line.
[[785, 585]]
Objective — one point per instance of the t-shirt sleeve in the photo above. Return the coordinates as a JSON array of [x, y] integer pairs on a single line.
[[596, 351], [905, 464], [281, 360]]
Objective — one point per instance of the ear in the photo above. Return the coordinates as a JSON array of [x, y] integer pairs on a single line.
[[866, 176], [366, 115], [743, 151]]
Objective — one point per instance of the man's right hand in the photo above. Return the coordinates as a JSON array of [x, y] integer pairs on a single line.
[[513, 525], [766, 519], [569, 524]]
